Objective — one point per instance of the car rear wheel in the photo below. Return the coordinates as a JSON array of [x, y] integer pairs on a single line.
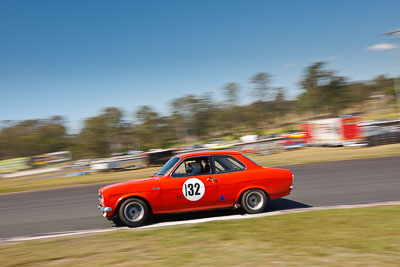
[[254, 201], [133, 212]]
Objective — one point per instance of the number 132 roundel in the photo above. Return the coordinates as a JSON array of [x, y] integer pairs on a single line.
[[193, 189]]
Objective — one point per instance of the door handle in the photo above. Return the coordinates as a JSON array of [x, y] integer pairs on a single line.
[[212, 179]]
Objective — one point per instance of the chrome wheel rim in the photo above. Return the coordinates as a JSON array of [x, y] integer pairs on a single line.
[[134, 211], [254, 200]]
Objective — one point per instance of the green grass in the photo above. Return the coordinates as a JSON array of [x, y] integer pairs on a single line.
[[306, 155], [394, 115], [347, 237], [324, 154], [20, 184]]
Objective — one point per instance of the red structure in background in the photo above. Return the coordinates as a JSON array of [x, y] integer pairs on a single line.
[[333, 131]]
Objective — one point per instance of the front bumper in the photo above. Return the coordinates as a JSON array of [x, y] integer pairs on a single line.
[[104, 210]]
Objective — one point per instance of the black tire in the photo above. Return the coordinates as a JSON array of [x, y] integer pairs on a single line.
[[133, 212], [254, 201], [117, 221]]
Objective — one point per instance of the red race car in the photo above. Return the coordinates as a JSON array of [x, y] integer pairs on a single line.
[[196, 181]]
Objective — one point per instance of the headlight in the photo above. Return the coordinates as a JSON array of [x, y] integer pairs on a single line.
[[101, 198]]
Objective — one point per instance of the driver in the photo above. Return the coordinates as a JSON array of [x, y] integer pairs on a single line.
[[193, 168]]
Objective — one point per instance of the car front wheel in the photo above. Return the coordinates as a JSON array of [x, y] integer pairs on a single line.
[[254, 201], [133, 212]]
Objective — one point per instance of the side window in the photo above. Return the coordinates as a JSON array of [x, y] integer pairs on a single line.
[[192, 167], [180, 171], [227, 164]]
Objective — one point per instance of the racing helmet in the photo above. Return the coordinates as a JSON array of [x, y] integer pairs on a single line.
[[193, 168]]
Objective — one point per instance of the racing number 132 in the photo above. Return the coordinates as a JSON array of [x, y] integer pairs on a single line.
[[192, 189]]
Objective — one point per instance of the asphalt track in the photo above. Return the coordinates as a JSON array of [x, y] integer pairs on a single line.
[[318, 184]]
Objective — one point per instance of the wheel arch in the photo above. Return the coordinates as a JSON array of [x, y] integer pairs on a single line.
[[129, 196], [241, 193]]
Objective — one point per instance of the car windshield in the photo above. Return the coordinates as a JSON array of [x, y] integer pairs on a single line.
[[167, 166]]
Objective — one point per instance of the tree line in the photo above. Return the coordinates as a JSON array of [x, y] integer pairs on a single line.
[[193, 117]]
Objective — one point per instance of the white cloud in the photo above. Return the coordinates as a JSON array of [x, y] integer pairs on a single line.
[[290, 64], [381, 47]]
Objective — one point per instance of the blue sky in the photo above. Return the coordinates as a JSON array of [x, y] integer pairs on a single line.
[[73, 58]]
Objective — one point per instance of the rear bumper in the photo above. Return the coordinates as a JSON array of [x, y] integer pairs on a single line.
[[293, 186]]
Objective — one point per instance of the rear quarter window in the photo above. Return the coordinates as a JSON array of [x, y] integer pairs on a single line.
[[223, 164]]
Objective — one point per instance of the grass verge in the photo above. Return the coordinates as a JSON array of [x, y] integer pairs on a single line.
[[347, 237], [324, 154], [20, 184], [306, 155]]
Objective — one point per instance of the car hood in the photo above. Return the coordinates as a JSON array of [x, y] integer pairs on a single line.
[[123, 187]]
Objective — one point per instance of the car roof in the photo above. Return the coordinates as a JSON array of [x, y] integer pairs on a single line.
[[208, 153]]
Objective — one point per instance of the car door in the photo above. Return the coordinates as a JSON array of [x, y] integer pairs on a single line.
[[230, 174], [183, 190]]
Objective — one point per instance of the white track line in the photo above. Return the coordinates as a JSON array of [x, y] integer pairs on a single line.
[[194, 221]]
